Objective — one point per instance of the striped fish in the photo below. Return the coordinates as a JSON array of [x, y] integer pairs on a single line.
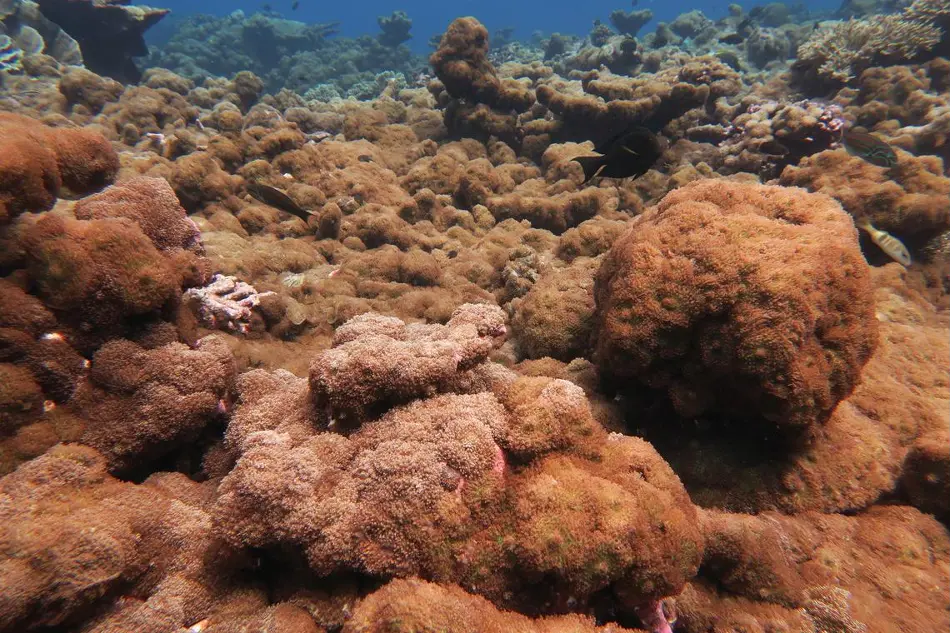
[[870, 148], [890, 245]]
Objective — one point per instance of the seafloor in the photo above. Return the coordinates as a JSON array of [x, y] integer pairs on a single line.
[[457, 389]]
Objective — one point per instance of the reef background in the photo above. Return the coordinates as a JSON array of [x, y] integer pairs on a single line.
[[446, 384]]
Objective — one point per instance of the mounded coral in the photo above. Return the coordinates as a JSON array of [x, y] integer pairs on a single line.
[[908, 104], [150, 203], [295, 503], [910, 201], [750, 301], [863, 453], [498, 482], [819, 572], [395, 363], [555, 318], [99, 271], [36, 161], [74, 538], [478, 103], [408, 605], [462, 65], [154, 400], [610, 103]]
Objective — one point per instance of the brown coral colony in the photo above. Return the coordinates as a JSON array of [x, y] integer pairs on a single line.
[[276, 360]]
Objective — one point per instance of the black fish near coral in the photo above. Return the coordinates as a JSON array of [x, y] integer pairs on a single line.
[[732, 39], [627, 155], [870, 148], [276, 198]]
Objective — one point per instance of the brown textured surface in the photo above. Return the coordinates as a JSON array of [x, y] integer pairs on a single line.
[[413, 605], [146, 403], [752, 301], [150, 203], [911, 200], [555, 318], [378, 361], [36, 160], [530, 484], [884, 570], [461, 64]]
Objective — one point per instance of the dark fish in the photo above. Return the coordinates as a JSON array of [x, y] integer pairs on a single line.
[[773, 148], [869, 148], [295, 5], [630, 154], [266, 8], [277, 199], [733, 38]]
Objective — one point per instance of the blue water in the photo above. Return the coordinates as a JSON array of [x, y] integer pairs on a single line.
[[360, 17]]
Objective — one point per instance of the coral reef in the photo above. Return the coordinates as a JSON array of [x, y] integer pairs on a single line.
[[629, 23], [859, 455], [682, 306], [554, 319], [155, 400], [395, 28], [452, 486], [300, 333], [403, 606], [820, 572], [37, 161], [398, 363], [286, 53], [109, 32], [839, 53], [911, 201]]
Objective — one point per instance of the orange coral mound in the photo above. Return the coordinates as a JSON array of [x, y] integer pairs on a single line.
[[37, 160], [748, 300]]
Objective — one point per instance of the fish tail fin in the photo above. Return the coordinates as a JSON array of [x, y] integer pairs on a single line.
[[590, 165], [866, 225]]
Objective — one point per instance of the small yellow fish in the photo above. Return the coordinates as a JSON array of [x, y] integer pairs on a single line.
[[890, 245]]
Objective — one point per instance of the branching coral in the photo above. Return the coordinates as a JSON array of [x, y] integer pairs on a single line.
[[843, 51]]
